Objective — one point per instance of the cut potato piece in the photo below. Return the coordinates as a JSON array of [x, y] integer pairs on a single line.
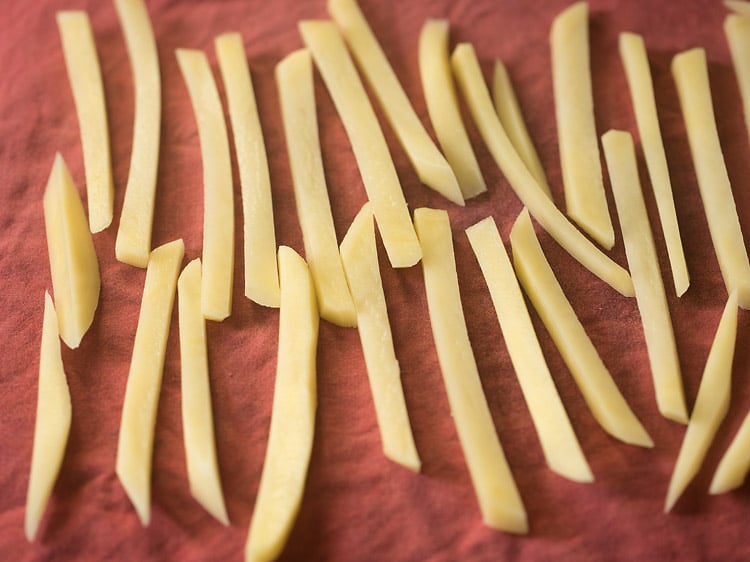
[[197, 417], [635, 61], [133, 244], [360, 257], [442, 105], [136, 439], [737, 31], [499, 500], [740, 7], [218, 200], [53, 415], [644, 267], [602, 396], [72, 257], [370, 149], [261, 269], [690, 73], [469, 76], [293, 415], [85, 78], [294, 77], [735, 463], [559, 443], [431, 166], [711, 404]]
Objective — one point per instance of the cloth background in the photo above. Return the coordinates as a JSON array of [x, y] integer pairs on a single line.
[[357, 505]]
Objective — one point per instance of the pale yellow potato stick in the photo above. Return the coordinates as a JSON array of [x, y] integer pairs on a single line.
[[509, 111], [261, 269], [690, 72], [599, 391], [133, 244], [72, 257], [360, 257], [294, 78], [136, 439], [740, 7], [469, 76], [85, 78], [442, 105], [561, 448], [368, 143], [711, 404], [644, 267], [499, 500], [735, 463], [737, 31], [290, 439], [52, 425], [197, 415], [218, 196], [635, 61], [431, 166], [585, 200]]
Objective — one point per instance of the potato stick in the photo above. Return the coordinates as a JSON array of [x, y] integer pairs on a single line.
[[360, 257], [197, 417], [368, 143], [511, 118], [574, 108], [737, 31], [218, 196], [293, 414], [559, 443], [136, 440], [469, 76], [261, 270], [635, 61], [431, 166], [442, 105], [690, 73], [599, 391], [133, 244], [499, 500], [644, 267], [53, 415], [735, 463], [711, 404], [85, 79], [739, 7], [72, 257], [294, 78]]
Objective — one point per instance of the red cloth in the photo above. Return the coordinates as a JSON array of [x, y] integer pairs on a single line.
[[357, 505]]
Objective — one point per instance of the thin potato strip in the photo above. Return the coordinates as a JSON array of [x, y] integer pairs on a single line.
[[737, 31], [739, 7], [735, 463]]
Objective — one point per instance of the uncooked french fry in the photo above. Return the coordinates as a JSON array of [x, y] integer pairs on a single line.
[[735, 463], [737, 31], [740, 7]]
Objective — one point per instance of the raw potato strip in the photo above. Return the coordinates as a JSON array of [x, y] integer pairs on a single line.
[[644, 267], [133, 244], [88, 94], [602, 396], [294, 78], [737, 31], [690, 73], [261, 269], [574, 107], [499, 500], [431, 166], [293, 414], [469, 75], [511, 118], [442, 105], [136, 439], [53, 415], [72, 257], [218, 197], [559, 443], [197, 417], [635, 61], [360, 257], [735, 463], [367, 140], [739, 7], [711, 404]]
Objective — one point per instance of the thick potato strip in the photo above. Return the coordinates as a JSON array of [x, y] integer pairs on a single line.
[[469, 75], [735, 463], [293, 414], [136, 440], [499, 500]]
